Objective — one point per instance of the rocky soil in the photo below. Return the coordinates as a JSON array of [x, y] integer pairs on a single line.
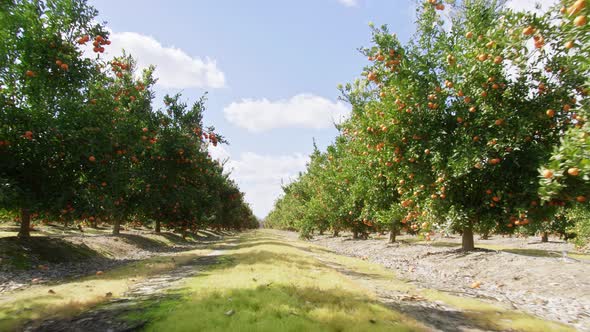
[[555, 287], [101, 252]]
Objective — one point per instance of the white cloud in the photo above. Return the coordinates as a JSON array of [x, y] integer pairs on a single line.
[[349, 3], [530, 5], [301, 111], [260, 177], [174, 67]]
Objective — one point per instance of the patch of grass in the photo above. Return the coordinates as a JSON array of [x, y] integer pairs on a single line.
[[267, 285], [73, 297]]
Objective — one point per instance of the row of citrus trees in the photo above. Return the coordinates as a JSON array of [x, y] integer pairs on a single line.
[[478, 124], [79, 140]]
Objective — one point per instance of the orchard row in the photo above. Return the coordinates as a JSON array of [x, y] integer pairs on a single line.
[[81, 142], [478, 124]]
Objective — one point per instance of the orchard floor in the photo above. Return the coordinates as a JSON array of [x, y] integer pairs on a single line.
[[54, 253], [549, 280], [261, 280]]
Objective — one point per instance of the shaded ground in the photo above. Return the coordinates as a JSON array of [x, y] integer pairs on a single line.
[[269, 281], [540, 278], [55, 254]]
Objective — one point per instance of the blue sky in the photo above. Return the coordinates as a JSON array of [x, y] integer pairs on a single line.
[[270, 69]]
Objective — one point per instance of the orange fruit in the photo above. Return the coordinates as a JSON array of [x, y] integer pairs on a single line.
[[573, 171], [547, 174], [528, 31], [580, 21]]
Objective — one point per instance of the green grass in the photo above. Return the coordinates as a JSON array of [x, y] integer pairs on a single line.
[[273, 286]]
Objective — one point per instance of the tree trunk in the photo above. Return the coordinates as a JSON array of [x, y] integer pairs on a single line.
[[467, 243], [392, 233], [116, 226], [321, 231], [184, 232], [336, 231], [545, 237], [25, 224], [94, 223], [158, 228], [355, 235]]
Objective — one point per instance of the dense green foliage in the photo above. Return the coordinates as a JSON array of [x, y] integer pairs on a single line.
[[79, 140], [449, 131]]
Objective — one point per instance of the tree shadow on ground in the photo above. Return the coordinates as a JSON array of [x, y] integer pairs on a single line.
[[23, 253], [237, 244]]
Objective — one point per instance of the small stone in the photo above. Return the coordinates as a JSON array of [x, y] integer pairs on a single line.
[[51, 291]]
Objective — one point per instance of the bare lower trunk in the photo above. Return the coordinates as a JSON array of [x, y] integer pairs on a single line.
[[184, 230], [94, 224], [545, 237], [158, 228], [116, 226], [355, 235], [467, 243], [322, 231], [392, 233], [336, 232], [25, 224]]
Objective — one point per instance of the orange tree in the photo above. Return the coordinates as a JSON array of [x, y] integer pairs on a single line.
[[43, 92], [118, 134], [567, 175], [178, 182], [469, 110]]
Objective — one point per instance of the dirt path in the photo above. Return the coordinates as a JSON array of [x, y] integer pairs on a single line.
[[107, 317], [409, 299]]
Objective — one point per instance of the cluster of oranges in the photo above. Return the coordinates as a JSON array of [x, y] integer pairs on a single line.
[[118, 67], [99, 43], [437, 4], [63, 66], [576, 9]]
